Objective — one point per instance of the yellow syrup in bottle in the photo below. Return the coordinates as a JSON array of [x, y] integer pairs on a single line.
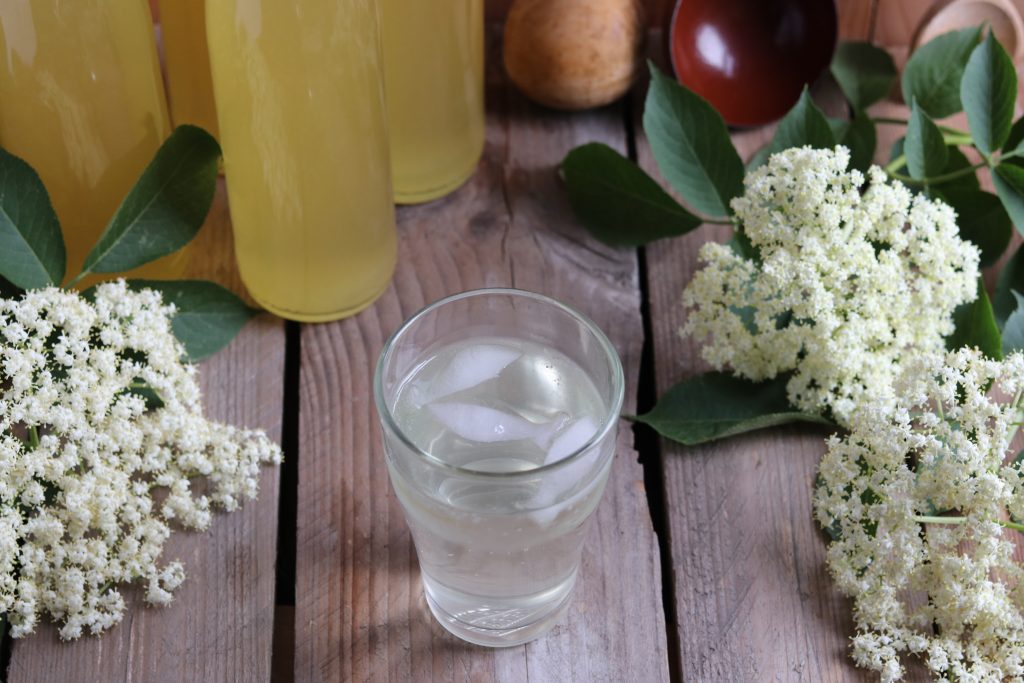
[[434, 67], [82, 101], [187, 60], [303, 126]]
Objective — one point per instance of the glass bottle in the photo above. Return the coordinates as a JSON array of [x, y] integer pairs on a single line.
[[434, 68], [189, 85], [303, 126], [82, 101]]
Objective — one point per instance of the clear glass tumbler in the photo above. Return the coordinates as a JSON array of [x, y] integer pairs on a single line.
[[499, 410]]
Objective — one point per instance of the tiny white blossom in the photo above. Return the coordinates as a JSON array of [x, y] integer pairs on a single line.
[[918, 500], [848, 282], [82, 453]]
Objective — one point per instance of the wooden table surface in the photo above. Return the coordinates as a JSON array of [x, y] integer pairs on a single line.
[[704, 564]]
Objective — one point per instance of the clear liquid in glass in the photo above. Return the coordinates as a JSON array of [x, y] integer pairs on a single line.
[[499, 555]]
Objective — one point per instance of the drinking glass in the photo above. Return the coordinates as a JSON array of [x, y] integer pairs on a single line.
[[499, 410]]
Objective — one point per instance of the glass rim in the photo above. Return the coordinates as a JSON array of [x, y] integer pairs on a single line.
[[610, 419]]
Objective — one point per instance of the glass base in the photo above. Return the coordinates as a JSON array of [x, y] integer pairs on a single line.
[[420, 196], [502, 627]]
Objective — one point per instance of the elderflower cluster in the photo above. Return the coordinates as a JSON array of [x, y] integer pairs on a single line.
[[848, 279], [101, 435], [918, 500]]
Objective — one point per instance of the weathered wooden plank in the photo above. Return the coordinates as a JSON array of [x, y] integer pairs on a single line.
[[220, 625], [360, 613]]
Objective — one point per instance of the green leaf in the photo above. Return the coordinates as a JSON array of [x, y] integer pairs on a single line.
[[1009, 181], [760, 157], [957, 162], [208, 316], [988, 91], [924, 146], [691, 144], [716, 405], [618, 202], [31, 246], [743, 247], [1013, 331], [982, 220], [932, 74], [865, 73], [1015, 140], [804, 124], [1010, 279], [860, 138], [975, 326], [165, 209], [838, 127]]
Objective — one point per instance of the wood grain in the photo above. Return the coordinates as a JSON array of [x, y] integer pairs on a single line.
[[220, 625], [360, 613]]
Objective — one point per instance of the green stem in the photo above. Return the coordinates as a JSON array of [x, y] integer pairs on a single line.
[[939, 179], [904, 122], [895, 164], [933, 519], [33, 437], [951, 140]]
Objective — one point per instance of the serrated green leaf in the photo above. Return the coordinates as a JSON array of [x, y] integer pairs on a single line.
[[1013, 331], [925, 149], [692, 146], [716, 405], [982, 220], [804, 124], [207, 317], [1010, 279], [31, 245], [865, 73], [975, 326], [860, 138], [618, 202], [1009, 181], [988, 92], [933, 72], [165, 208]]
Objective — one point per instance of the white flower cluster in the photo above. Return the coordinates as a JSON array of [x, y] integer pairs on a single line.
[[918, 499], [101, 433], [847, 281]]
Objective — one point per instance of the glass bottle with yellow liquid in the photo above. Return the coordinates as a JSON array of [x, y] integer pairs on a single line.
[[82, 101], [434, 66], [300, 101], [189, 85]]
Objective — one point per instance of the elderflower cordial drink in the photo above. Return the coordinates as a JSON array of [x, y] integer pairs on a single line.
[[300, 100], [434, 69], [499, 409]]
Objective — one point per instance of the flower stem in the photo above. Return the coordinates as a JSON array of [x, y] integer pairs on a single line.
[[33, 437], [904, 122], [939, 179]]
